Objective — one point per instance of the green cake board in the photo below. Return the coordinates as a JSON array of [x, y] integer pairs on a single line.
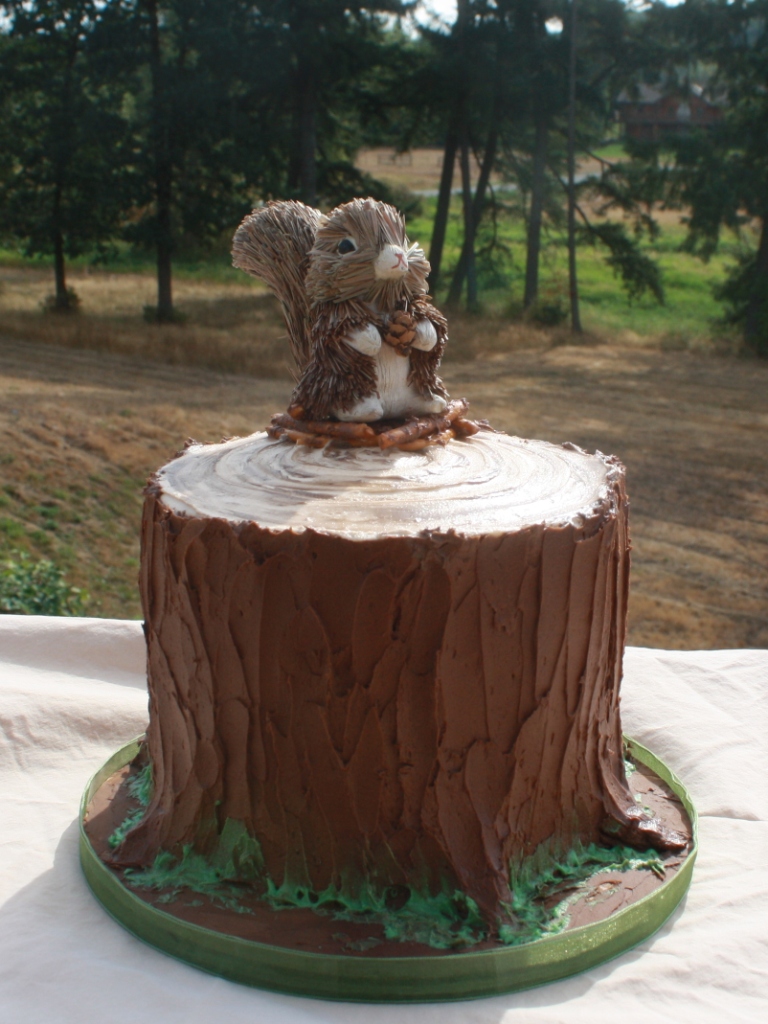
[[451, 976]]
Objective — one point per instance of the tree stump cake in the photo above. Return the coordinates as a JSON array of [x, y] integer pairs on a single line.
[[395, 671], [384, 654]]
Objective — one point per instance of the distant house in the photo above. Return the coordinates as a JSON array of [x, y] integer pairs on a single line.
[[651, 113]]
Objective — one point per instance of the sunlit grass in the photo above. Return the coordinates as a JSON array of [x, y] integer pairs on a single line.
[[212, 265], [232, 325], [613, 152], [690, 311]]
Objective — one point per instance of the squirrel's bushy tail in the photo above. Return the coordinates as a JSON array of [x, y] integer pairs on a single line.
[[273, 243]]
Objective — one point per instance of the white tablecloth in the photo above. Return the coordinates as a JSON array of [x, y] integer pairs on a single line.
[[73, 690]]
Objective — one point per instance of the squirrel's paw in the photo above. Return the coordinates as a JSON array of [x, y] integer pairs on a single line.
[[366, 340], [433, 404], [367, 410], [426, 336]]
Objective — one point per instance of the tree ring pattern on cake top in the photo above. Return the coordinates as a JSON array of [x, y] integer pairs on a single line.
[[491, 484]]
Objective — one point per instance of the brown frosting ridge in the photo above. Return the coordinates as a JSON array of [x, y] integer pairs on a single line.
[[410, 710]]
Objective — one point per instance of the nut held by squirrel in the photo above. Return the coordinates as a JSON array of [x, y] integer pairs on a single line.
[[365, 337]]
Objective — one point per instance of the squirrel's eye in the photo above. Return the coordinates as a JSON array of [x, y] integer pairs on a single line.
[[346, 245]]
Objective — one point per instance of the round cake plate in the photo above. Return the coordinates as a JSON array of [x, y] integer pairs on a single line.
[[449, 976]]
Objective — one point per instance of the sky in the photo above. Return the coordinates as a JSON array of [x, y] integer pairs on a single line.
[[445, 10]]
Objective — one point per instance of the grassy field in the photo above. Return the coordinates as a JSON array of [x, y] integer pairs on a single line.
[[217, 300], [687, 319], [80, 431]]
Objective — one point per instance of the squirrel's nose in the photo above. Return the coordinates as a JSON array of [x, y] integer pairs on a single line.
[[391, 263]]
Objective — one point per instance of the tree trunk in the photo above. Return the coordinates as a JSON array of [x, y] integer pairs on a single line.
[[468, 245], [163, 171], [533, 246], [489, 158], [756, 318], [165, 312], [308, 142], [461, 30], [443, 208], [397, 711], [573, 285], [61, 300], [302, 174]]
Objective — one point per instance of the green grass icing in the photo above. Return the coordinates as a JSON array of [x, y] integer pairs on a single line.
[[191, 872], [237, 859], [544, 887], [125, 827], [140, 787], [536, 885], [442, 921]]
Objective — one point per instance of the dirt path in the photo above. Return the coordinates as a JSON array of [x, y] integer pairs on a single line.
[[82, 430]]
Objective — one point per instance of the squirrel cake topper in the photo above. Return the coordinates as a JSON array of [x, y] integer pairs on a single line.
[[365, 337]]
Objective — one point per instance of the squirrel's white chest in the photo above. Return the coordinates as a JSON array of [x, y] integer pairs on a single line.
[[394, 396], [392, 371]]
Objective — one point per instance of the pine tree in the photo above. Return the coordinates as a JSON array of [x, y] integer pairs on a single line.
[[721, 175], [328, 54], [63, 138], [172, 56]]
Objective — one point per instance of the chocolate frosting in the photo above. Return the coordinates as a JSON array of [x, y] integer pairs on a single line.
[[416, 708]]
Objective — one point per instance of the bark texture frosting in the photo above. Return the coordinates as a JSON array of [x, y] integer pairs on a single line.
[[420, 708]]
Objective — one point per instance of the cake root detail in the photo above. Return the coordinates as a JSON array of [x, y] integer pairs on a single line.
[[644, 833], [413, 434]]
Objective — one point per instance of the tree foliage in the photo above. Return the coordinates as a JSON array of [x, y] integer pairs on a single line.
[[62, 136], [163, 121], [720, 176], [37, 588], [184, 176]]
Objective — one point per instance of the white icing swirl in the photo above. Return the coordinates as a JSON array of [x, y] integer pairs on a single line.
[[490, 483]]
